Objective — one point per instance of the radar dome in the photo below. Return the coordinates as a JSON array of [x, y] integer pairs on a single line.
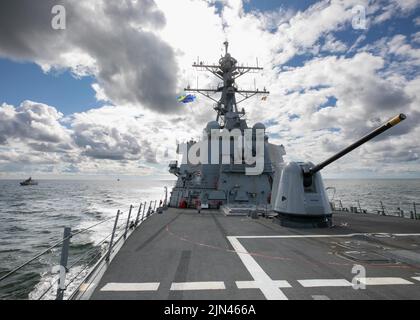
[[212, 125], [258, 125]]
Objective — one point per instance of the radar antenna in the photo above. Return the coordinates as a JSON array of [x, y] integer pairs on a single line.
[[228, 71]]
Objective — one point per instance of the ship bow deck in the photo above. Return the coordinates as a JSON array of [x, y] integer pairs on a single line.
[[185, 255]]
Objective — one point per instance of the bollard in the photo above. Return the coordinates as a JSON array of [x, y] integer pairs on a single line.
[[63, 264], [128, 221], [138, 215], [112, 236]]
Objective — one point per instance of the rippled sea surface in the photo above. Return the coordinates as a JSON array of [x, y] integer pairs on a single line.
[[32, 218], [393, 193]]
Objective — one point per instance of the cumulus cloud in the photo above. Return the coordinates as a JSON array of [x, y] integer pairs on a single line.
[[363, 99], [31, 121], [102, 142], [114, 133], [385, 9], [113, 41], [140, 53], [333, 45], [35, 136]]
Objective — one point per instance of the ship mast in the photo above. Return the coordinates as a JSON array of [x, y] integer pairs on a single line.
[[228, 71]]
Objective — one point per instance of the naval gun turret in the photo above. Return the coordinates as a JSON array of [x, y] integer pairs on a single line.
[[301, 200]]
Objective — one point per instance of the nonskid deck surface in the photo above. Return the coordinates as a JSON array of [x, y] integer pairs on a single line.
[[185, 255]]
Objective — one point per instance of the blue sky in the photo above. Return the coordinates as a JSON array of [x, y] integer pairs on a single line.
[[26, 81], [328, 81], [270, 5], [21, 81]]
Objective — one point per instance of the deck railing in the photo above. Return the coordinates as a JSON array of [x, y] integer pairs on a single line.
[[403, 209], [66, 275]]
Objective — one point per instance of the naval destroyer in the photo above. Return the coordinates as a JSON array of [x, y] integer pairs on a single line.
[[230, 232]]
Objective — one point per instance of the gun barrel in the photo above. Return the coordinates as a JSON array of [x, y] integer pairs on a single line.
[[389, 124]]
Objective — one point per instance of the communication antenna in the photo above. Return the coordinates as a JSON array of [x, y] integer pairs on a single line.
[[228, 70]]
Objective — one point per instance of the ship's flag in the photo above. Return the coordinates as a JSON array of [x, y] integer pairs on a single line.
[[180, 98], [186, 98]]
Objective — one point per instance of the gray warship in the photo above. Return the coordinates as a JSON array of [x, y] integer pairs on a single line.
[[227, 235], [224, 234], [221, 183]]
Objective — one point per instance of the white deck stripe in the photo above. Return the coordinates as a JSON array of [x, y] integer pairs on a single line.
[[326, 235], [267, 286], [416, 278], [309, 283], [320, 297], [143, 286], [377, 281], [209, 285], [294, 236], [256, 285]]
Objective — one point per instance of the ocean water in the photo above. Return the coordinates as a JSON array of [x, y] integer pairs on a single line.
[[32, 218], [393, 193]]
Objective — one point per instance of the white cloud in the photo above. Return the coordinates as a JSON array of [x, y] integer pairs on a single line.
[[416, 37], [333, 45], [108, 140], [31, 121], [384, 10], [131, 137], [114, 41], [402, 58]]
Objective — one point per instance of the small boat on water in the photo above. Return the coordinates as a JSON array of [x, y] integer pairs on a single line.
[[29, 182]]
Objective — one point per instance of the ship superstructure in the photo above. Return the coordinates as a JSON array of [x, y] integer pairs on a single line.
[[225, 182], [180, 254]]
